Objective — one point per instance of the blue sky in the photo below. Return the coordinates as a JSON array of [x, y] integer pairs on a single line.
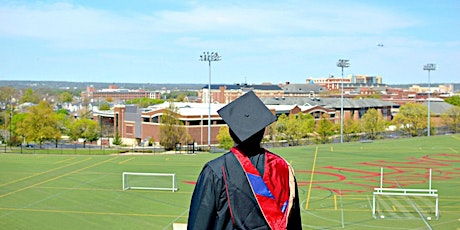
[[259, 41]]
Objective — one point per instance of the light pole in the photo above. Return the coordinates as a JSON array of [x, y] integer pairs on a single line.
[[429, 68], [209, 57], [11, 121], [342, 63], [100, 133]]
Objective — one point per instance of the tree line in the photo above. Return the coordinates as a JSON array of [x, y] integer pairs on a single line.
[[42, 122], [300, 128]]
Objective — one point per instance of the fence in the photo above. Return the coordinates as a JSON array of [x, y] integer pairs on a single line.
[[91, 149]]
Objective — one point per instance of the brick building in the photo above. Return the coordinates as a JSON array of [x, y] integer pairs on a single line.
[[114, 93], [227, 93], [136, 126]]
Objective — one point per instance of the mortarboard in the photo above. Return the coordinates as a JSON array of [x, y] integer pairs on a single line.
[[246, 115]]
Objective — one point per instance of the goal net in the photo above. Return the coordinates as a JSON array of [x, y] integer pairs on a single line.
[[404, 202], [149, 181]]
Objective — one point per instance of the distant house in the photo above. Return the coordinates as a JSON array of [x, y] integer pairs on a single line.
[[302, 90], [194, 116], [353, 108], [114, 93], [136, 125], [226, 93], [437, 108]]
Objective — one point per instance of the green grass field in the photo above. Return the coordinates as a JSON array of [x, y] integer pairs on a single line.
[[45, 191]]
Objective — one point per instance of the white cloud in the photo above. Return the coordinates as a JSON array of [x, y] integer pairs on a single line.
[[67, 25], [70, 26], [289, 38]]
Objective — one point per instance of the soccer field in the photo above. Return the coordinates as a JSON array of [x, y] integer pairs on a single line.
[[336, 181]]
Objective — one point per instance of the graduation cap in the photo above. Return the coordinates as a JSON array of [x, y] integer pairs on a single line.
[[246, 115]]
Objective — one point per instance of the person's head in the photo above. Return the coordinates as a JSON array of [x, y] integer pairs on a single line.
[[252, 140], [250, 145], [247, 117]]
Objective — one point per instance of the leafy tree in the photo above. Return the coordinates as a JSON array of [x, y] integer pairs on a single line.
[[144, 102], [62, 111], [372, 123], [6, 122], [117, 139], [30, 96], [224, 138], [85, 113], [324, 129], [307, 123], [104, 106], [351, 128], [454, 100], [85, 101], [281, 126], [84, 128], [412, 118], [6, 94], [3, 119], [181, 97], [272, 132], [151, 141], [17, 122], [39, 124], [172, 130], [65, 97], [451, 118], [63, 124], [295, 127], [299, 125], [56, 92]]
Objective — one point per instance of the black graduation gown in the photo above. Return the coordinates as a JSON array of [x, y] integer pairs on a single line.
[[209, 208]]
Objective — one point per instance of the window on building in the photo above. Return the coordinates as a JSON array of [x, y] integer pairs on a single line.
[[362, 111], [220, 122], [317, 115], [194, 123], [384, 112]]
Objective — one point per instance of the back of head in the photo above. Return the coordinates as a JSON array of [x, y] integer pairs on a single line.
[[250, 145]]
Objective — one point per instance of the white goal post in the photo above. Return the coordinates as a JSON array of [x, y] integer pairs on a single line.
[[405, 192], [149, 181]]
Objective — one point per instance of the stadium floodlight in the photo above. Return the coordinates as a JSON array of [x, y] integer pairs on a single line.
[[149, 181], [209, 57], [342, 63], [429, 67]]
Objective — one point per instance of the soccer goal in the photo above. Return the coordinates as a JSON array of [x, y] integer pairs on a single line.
[[419, 202], [149, 181]]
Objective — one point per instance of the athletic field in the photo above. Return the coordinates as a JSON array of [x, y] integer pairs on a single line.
[[336, 184]]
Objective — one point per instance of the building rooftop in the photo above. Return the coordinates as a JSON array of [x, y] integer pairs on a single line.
[[303, 88], [438, 106], [328, 102], [244, 86]]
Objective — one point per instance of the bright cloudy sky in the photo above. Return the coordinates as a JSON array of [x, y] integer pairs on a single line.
[[154, 41]]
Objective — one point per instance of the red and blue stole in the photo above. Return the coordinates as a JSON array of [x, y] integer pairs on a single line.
[[272, 190]]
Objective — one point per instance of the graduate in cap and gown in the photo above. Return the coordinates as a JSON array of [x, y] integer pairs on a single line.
[[248, 187]]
